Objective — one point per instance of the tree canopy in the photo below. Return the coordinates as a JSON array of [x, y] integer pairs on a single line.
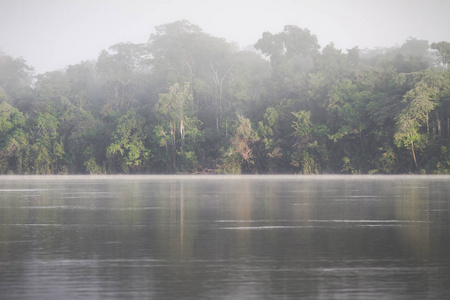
[[189, 102]]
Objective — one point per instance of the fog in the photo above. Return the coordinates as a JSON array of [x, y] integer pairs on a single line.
[[51, 34]]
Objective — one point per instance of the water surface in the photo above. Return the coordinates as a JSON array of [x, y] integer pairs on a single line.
[[225, 237]]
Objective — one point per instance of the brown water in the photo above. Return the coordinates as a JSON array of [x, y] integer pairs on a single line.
[[199, 237]]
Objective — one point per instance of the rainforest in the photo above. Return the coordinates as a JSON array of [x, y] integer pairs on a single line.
[[187, 102]]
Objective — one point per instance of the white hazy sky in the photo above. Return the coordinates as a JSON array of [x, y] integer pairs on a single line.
[[52, 34]]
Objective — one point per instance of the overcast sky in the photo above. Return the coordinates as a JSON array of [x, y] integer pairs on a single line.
[[52, 34]]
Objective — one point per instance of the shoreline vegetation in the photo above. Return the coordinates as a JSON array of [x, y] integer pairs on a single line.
[[213, 177], [187, 102]]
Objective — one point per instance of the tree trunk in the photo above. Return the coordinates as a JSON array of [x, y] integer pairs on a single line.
[[174, 158], [219, 91], [226, 128], [414, 155], [173, 151], [448, 125], [438, 124]]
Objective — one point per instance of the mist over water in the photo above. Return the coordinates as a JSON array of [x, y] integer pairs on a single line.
[[224, 237]]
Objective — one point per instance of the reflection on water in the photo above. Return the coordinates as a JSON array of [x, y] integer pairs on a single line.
[[223, 237]]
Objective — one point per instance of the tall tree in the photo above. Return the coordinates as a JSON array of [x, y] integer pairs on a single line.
[[15, 78], [412, 119], [291, 53], [178, 124], [120, 69], [443, 52], [182, 52]]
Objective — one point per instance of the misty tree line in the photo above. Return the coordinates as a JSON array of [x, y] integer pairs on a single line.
[[188, 102]]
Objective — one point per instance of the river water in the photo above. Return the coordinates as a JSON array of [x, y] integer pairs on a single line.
[[225, 237]]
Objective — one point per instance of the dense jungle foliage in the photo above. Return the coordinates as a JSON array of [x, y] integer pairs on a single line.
[[188, 102]]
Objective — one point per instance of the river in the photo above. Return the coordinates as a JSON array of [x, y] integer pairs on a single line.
[[225, 237]]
